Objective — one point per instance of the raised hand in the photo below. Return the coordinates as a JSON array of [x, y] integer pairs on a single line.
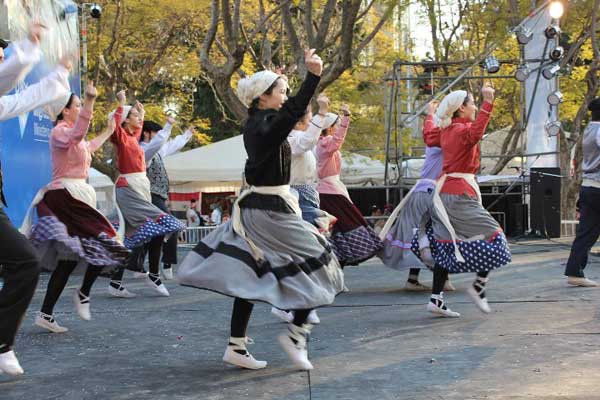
[[112, 124], [140, 107], [91, 92], [323, 102], [313, 62], [432, 106], [488, 93], [66, 62], [36, 30], [346, 109], [122, 97]]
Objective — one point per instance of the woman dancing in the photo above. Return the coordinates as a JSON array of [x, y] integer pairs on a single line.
[[69, 228], [465, 237], [144, 222], [353, 240], [267, 252]]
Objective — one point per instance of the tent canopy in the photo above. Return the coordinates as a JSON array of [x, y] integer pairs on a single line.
[[98, 180], [223, 162]]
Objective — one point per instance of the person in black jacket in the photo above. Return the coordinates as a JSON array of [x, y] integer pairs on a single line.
[[267, 252]]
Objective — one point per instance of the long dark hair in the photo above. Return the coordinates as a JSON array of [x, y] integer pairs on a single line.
[[60, 116], [254, 105]]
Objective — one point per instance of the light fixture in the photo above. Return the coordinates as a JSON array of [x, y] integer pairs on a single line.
[[552, 31], [553, 128], [524, 35], [96, 11], [522, 73], [491, 64], [551, 71], [556, 9], [557, 53], [555, 98]]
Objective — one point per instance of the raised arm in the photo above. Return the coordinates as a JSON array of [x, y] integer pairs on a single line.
[[431, 133], [334, 142], [138, 131], [475, 132], [49, 89], [174, 145], [25, 55], [64, 137], [117, 136], [154, 145], [99, 140], [307, 140], [276, 129]]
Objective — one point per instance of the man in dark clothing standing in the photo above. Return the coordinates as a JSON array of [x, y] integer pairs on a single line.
[[588, 230]]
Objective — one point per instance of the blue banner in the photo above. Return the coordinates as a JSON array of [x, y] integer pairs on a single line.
[[25, 152]]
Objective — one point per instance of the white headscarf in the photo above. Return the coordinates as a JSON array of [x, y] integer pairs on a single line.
[[252, 87], [447, 108], [126, 110], [329, 120]]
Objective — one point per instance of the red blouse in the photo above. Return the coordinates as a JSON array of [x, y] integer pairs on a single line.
[[130, 156], [460, 147]]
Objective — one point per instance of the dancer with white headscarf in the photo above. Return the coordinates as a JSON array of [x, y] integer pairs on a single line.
[[267, 252], [404, 238], [352, 239], [144, 222], [465, 237]]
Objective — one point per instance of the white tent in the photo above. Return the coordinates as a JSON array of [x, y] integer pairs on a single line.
[[98, 180], [219, 167]]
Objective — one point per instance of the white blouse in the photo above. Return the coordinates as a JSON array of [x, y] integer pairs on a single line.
[[304, 162]]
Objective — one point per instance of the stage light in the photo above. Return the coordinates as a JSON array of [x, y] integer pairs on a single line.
[[555, 98], [524, 35], [96, 11], [553, 128], [557, 53], [557, 9], [551, 71], [522, 73], [491, 64], [552, 31]]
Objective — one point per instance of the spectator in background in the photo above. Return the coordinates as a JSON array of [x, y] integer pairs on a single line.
[[193, 221], [215, 215]]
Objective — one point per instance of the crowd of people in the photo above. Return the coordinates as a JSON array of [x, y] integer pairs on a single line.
[[288, 236]]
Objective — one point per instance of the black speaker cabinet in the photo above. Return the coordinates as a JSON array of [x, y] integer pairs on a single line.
[[545, 201]]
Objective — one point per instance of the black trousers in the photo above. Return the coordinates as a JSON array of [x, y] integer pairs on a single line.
[[169, 248], [20, 272], [588, 231]]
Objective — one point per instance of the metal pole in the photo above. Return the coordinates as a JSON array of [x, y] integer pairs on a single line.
[[84, 63]]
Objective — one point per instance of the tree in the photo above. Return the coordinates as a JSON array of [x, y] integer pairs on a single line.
[[336, 29]]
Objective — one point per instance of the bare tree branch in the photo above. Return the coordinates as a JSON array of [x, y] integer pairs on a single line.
[[323, 29]]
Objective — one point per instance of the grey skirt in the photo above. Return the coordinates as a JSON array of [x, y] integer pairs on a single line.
[[143, 220], [299, 270], [397, 252], [480, 238]]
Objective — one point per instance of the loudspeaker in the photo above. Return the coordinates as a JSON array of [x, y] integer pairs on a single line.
[[545, 201], [518, 220]]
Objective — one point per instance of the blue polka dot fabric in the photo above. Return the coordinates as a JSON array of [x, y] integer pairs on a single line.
[[164, 225], [479, 255]]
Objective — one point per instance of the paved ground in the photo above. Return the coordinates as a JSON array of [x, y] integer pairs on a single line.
[[377, 342]]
